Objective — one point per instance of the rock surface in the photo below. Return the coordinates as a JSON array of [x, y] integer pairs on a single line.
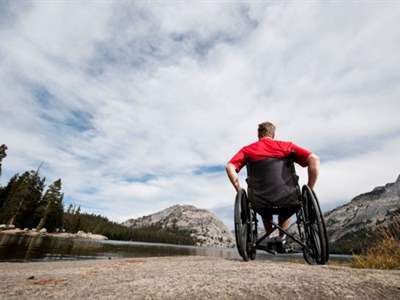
[[206, 229], [192, 278], [351, 223]]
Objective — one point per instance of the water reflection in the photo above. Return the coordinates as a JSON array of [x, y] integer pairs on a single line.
[[23, 248]]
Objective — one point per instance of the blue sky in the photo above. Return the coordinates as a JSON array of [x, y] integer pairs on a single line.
[[138, 106]]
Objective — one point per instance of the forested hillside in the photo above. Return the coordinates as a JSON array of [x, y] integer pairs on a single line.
[[26, 202], [74, 221]]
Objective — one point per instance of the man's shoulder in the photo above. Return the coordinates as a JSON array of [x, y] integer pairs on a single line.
[[252, 145]]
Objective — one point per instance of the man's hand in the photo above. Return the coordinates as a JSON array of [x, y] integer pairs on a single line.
[[230, 170], [313, 169]]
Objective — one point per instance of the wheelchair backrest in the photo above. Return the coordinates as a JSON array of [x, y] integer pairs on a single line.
[[273, 182]]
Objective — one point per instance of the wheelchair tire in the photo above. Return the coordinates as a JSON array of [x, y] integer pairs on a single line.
[[241, 228], [314, 229], [323, 225]]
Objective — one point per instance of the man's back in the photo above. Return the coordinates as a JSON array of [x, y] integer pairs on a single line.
[[269, 148]]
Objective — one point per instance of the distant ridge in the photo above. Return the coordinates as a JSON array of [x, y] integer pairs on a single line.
[[206, 229], [351, 226]]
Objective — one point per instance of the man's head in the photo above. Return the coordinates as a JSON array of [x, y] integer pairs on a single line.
[[266, 129]]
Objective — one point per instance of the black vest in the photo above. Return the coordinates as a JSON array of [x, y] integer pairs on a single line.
[[273, 183]]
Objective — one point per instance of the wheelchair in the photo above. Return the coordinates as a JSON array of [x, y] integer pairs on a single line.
[[273, 186]]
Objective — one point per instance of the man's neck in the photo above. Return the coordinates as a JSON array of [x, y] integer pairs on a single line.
[[266, 138]]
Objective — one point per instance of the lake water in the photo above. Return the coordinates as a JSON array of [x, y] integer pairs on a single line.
[[22, 248]]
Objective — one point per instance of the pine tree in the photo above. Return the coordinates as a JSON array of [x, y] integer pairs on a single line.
[[3, 154], [51, 208], [70, 209], [24, 197], [76, 220], [2, 189], [5, 197]]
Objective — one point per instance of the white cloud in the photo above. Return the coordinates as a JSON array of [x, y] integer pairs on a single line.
[[138, 96]]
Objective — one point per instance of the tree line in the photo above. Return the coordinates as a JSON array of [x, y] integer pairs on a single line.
[[25, 202], [75, 220]]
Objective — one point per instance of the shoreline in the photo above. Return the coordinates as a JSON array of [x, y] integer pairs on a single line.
[[65, 235], [197, 277]]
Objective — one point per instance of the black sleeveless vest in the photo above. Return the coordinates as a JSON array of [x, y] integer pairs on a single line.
[[273, 183]]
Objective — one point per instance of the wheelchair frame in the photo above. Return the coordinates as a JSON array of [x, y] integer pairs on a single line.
[[312, 236]]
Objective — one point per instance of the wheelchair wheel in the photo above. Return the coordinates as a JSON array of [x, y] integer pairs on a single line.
[[241, 224], [323, 225], [244, 232], [316, 240]]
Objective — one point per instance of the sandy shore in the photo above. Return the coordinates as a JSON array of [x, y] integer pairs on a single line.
[[192, 278]]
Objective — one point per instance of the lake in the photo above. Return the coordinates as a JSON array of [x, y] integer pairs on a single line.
[[23, 248]]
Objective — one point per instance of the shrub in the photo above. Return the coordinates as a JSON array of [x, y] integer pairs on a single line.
[[385, 253]]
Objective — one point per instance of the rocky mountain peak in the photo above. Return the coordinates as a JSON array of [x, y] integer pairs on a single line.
[[389, 190], [352, 222], [206, 229]]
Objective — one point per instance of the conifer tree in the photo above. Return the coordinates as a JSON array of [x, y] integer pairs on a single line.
[[23, 199], [70, 209], [77, 219], [5, 196], [3, 154], [51, 208], [2, 189]]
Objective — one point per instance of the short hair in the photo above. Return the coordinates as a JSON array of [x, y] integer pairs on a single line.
[[266, 129]]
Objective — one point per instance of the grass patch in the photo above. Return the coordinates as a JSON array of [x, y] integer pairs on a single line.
[[385, 253]]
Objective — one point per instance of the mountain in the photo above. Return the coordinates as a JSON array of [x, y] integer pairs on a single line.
[[206, 229], [353, 226]]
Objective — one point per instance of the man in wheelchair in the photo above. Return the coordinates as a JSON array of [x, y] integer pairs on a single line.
[[273, 189]]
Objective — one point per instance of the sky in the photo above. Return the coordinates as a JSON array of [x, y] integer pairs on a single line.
[[138, 105]]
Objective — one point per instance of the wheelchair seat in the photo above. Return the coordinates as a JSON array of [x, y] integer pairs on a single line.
[[273, 185]]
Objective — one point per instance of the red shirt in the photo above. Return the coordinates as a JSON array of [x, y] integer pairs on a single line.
[[265, 148]]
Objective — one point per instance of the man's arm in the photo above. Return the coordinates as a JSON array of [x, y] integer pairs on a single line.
[[230, 170], [313, 169]]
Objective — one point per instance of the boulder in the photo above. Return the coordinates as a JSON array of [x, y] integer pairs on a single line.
[[43, 230], [32, 233]]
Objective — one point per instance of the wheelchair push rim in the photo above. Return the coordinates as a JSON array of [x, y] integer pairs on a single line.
[[316, 251]]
